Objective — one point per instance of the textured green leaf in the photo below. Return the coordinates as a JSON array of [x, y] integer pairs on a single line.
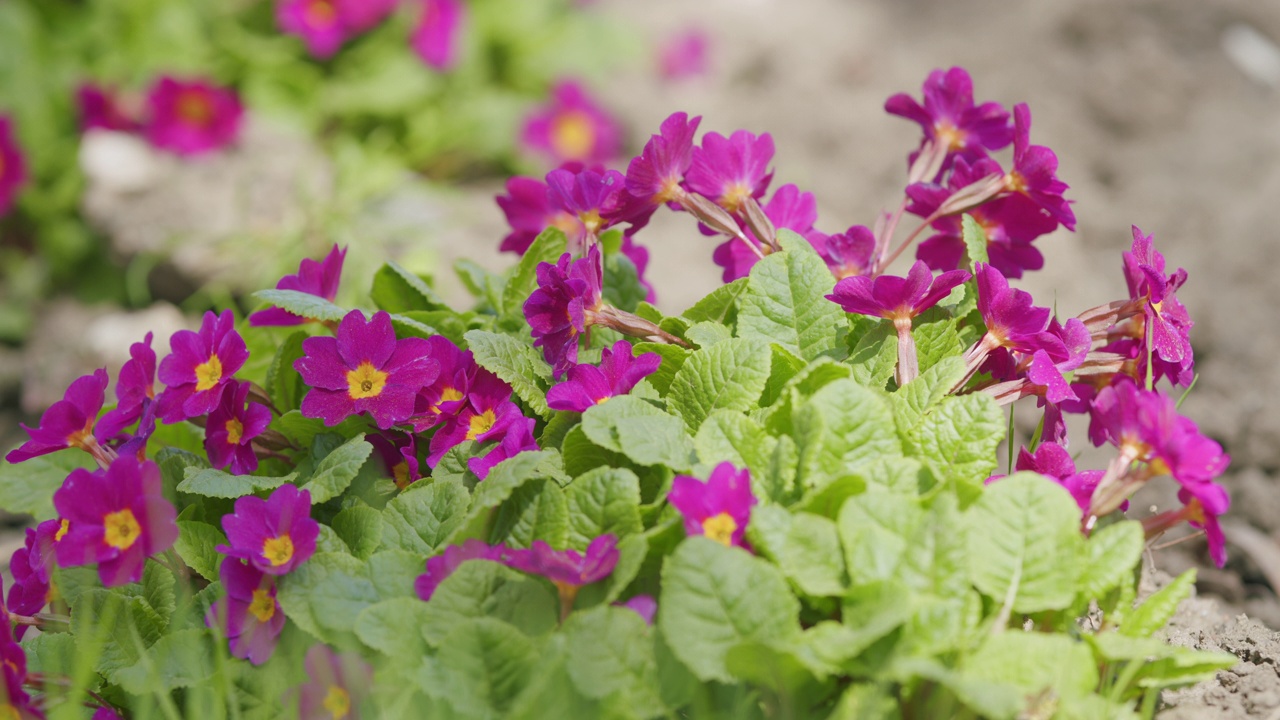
[[535, 511], [426, 323], [303, 430], [785, 303], [874, 356], [503, 479], [335, 472], [726, 376], [325, 594], [876, 529], [420, 518], [216, 483], [481, 283], [728, 436], [935, 561], [397, 290], [486, 664], [300, 303], [518, 364], [975, 241], [603, 501], [714, 597], [706, 334], [394, 571], [1024, 543], [158, 591], [1114, 552], [611, 654], [390, 627], [1154, 612], [719, 306], [28, 487], [581, 455], [1036, 662], [547, 247], [479, 588], [805, 546], [857, 426], [957, 440], [784, 365], [284, 384], [181, 659], [126, 626], [673, 358], [995, 700], [360, 527], [912, 403], [640, 431], [936, 341]]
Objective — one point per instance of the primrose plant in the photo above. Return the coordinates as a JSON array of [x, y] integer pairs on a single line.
[[565, 502]]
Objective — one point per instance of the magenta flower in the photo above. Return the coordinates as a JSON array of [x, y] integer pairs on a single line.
[[950, 118], [101, 109], [399, 452], [560, 310], [338, 683], [318, 22], [192, 117], [572, 127], [1053, 461], [517, 438], [485, 416], [135, 391], [442, 566], [568, 568], [250, 615], [655, 175], [1011, 318], [788, 208], [529, 210], [720, 508], [69, 422], [1204, 503], [437, 35], [15, 702], [730, 170], [364, 369], [643, 605], [592, 198], [231, 428], [1034, 172], [684, 55], [314, 278], [116, 518], [13, 166], [447, 395], [589, 385], [1168, 319], [849, 253], [31, 566], [199, 367], [275, 535]]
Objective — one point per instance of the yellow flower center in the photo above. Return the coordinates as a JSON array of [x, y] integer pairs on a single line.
[[1157, 306], [572, 135], [235, 431], [193, 107], [481, 424], [720, 528], [734, 196], [670, 190], [1014, 182], [121, 529], [278, 550], [263, 605], [63, 527], [1194, 511], [400, 473], [337, 702], [365, 381], [208, 373], [949, 135], [602, 400], [591, 220], [1159, 467], [82, 437], [447, 395], [320, 13]]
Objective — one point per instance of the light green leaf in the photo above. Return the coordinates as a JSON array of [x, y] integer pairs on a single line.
[[535, 511], [640, 431], [125, 625], [335, 472], [805, 546], [1036, 662], [876, 529], [394, 572], [1025, 546], [547, 247], [912, 403], [673, 358], [975, 241], [325, 594], [284, 384], [958, 441], [158, 591], [728, 436], [874, 356], [621, 283], [785, 303], [706, 334], [397, 290], [28, 487], [603, 501], [1114, 552], [726, 376], [1154, 612], [719, 306], [360, 527], [300, 303], [518, 364], [485, 665], [714, 597], [611, 654], [857, 426], [181, 659], [390, 627], [936, 341], [420, 518], [216, 483], [478, 589]]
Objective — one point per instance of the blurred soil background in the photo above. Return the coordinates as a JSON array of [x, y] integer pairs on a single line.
[[1164, 114]]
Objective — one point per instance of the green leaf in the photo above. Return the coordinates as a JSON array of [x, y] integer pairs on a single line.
[[426, 323], [1114, 552], [284, 384], [673, 358], [988, 699], [733, 437], [325, 594], [1025, 547], [935, 561], [303, 430], [216, 483], [874, 356], [621, 283], [784, 366], [503, 479], [785, 303], [535, 511], [484, 589], [335, 472], [856, 426], [485, 664], [805, 546], [611, 654], [397, 290], [719, 306], [581, 455], [706, 334], [547, 247], [726, 376], [1035, 662], [911, 404], [383, 627], [300, 303], [518, 364], [423, 516], [975, 242], [360, 527], [640, 431], [158, 591], [480, 282], [28, 487], [603, 501], [714, 597], [936, 341], [779, 668], [181, 659], [876, 529], [958, 441], [125, 625], [394, 572], [1155, 612]]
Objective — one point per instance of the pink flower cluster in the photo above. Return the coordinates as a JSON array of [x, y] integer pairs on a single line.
[[326, 25], [186, 117]]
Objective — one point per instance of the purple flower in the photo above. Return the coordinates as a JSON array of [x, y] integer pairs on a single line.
[[590, 197], [572, 127], [568, 568], [950, 118], [684, 55], [362, 15], [1053, 461], [849, 253], [529, 210], [100, 109], [720, 508], [199, 368], [135, 391], [364, 369], [447, 394], [317, 22], [192, 117], [399, 451], [442, 566], [1146, 426], [250, 615], [560, 309], [1034, 171], [314, 278], [275, 535], [589, 385], [517, 438], [1204, 503], [338, 684], [654, 176], [1011, 318], [436, 37], [31, 564], [231, 428], [69, 422], [15, 702], [730, 170], [895, 298], [644, 605], [1168, 319], [788, 208], [484, 417], [13, 166], [116, 518]]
